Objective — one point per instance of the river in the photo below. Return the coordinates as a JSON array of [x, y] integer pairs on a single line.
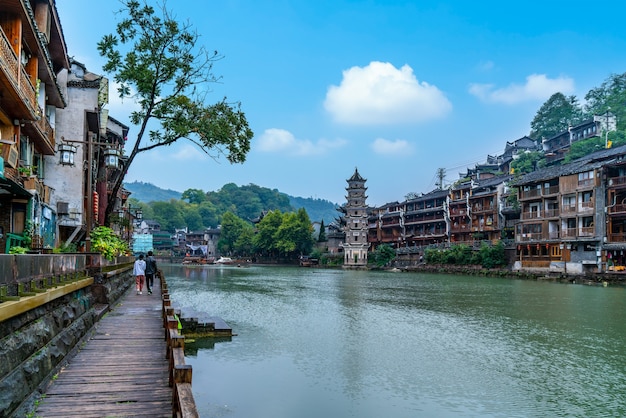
[[338, 343]]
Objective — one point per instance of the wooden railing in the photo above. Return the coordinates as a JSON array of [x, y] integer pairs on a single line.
[[183, 402]]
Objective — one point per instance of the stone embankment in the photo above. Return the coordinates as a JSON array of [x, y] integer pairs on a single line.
[[535, 274], [48, 305]]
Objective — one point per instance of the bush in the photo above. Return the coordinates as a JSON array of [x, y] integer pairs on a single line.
[[106, 242]]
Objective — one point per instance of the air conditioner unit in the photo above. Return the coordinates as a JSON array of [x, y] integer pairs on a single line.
[[63, 208]]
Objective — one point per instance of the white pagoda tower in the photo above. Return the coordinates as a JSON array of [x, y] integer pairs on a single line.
[[355, 216]]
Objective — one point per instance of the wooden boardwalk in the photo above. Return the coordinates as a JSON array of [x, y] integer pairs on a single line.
[[122, 371]]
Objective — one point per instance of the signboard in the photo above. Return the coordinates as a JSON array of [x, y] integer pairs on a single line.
[[13, 156]]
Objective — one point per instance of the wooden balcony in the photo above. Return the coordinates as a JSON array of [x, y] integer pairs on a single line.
[[568, 233], [617, 209], [534, 236], [529, 194], [617, 237], [586, 206], [20, 93], [531, 215], [617, 182]]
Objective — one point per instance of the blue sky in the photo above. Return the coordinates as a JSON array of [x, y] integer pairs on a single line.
[[396, 89]]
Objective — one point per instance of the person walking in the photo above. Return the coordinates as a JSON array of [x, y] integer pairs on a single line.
[[139, 270], [151, 269]]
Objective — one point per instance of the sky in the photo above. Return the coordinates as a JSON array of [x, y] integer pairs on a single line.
[[395, 89]]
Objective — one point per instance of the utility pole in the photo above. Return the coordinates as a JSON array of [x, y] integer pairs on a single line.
[[441, 174]]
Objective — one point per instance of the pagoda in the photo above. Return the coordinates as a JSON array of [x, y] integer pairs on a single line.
[[355, 244]]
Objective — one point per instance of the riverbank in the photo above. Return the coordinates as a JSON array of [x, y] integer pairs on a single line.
[[615, 278]]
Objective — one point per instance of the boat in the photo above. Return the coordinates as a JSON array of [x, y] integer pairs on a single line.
[[224, 260]]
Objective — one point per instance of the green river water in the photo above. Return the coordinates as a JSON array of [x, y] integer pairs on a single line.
[[335, 343]]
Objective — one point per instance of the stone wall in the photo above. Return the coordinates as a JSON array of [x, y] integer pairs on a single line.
[[36, 344]]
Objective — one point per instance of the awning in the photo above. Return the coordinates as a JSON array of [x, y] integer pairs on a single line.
[[9, 187]]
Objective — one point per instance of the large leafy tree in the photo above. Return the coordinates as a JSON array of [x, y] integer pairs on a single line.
[[555, 115], [265, 240], [232, 228], [160, 64], [611, 95], [194, 196]]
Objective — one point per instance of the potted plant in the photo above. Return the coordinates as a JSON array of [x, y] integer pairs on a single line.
[[24, 171]]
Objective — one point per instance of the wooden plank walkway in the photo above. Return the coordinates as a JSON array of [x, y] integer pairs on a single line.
[[122, 371]]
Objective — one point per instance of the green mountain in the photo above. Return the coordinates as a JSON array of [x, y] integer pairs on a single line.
[[231, 195], [147, 192]]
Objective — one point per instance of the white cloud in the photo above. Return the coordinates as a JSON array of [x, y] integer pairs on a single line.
[[537, 87], [283, 141], [382, 94], [399, 147]]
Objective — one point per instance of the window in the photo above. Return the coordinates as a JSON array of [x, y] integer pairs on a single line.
[[587, 175]]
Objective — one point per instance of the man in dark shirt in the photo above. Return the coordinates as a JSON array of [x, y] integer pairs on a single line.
[[151, 268]]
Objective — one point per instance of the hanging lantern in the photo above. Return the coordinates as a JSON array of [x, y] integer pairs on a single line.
[[67, 152], [111, 158]]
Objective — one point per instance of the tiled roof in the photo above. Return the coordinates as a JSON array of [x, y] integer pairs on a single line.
[[586, 163]]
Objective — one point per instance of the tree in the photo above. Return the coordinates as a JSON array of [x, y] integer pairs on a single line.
[[527, 162], [158, 62], [194, 196], [322, 236], [382, 255], [555, 116], [611, 95], [264, 240], [168, 215], [232, 228]]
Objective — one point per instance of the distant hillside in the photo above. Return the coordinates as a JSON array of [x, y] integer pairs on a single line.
[[317, 209], [147, 192]]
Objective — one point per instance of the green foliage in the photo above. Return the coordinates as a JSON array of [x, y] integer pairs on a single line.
[[66, 248], [318, 209], [526, 162], [555, 115], [169, 214], [247, 202], [322, 235], [160, 64], [611, 95], [266, 230], [106, 242], [18, 250], [585, 147], [194, 196], [232, 228], [382, 255], [492, 256], [147, 192], [488, 256]]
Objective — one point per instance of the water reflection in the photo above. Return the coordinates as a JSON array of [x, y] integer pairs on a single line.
[[370, 344]]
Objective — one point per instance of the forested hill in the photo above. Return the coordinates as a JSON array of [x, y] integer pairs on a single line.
[[147, 192], [247, 202]]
